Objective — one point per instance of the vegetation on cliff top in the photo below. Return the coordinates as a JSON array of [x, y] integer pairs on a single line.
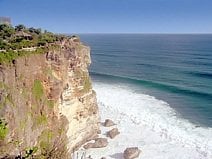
[[20, 41], [19, 37]]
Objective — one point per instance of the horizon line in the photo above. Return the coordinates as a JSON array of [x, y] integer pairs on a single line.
[[138, 33]]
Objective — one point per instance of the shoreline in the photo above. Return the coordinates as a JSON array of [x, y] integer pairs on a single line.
[[135, 133]]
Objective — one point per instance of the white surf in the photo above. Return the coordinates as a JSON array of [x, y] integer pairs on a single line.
[[150, 124]]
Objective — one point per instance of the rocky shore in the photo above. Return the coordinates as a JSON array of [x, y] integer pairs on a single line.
[[109, 132]]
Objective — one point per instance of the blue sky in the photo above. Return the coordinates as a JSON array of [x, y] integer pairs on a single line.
[[112, 16]]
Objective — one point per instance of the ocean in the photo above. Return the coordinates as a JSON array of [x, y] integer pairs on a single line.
[[161, 82]]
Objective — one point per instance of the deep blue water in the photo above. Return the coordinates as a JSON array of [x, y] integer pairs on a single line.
[[173, 68]]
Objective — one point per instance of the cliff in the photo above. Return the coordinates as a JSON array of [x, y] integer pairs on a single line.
[[47, 106]]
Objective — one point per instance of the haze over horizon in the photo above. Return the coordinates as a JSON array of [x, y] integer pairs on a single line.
[[110, 16]]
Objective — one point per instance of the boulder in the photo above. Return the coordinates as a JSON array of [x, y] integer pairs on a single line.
[[108, 123], [113, 133], [88, 146], [131, 153], [99, 143], [89, 157]]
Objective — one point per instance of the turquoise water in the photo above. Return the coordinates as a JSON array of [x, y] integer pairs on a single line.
[[174, 68]]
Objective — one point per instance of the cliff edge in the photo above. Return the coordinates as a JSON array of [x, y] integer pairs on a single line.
[[47, 106]]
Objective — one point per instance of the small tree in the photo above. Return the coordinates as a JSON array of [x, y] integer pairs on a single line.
[[6, 31], [36, 31], [20, 27]]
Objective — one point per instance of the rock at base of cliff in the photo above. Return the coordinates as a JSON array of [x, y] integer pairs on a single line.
[[131, 153], [99, 143], [108, 123], [113, 133], [89, 157], [88, 146]]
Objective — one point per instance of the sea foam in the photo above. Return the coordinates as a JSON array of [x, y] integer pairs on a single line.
[[151, 124]]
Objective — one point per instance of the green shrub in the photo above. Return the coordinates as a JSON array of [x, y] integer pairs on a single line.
[[3, 129], [45, 140], [50, 103], [29, 152], [87, 84], [7, 57], [37, 90], [41, 119]]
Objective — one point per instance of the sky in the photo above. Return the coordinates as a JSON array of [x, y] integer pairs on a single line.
[[112, 16]]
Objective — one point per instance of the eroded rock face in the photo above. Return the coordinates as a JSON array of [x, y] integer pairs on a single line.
[[131, 153], [78, 101], [113, 133], [47, 102]]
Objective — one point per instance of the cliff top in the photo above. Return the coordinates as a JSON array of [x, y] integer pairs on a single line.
[[20, 40]]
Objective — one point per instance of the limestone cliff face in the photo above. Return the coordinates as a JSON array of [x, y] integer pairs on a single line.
[[47, 105]]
